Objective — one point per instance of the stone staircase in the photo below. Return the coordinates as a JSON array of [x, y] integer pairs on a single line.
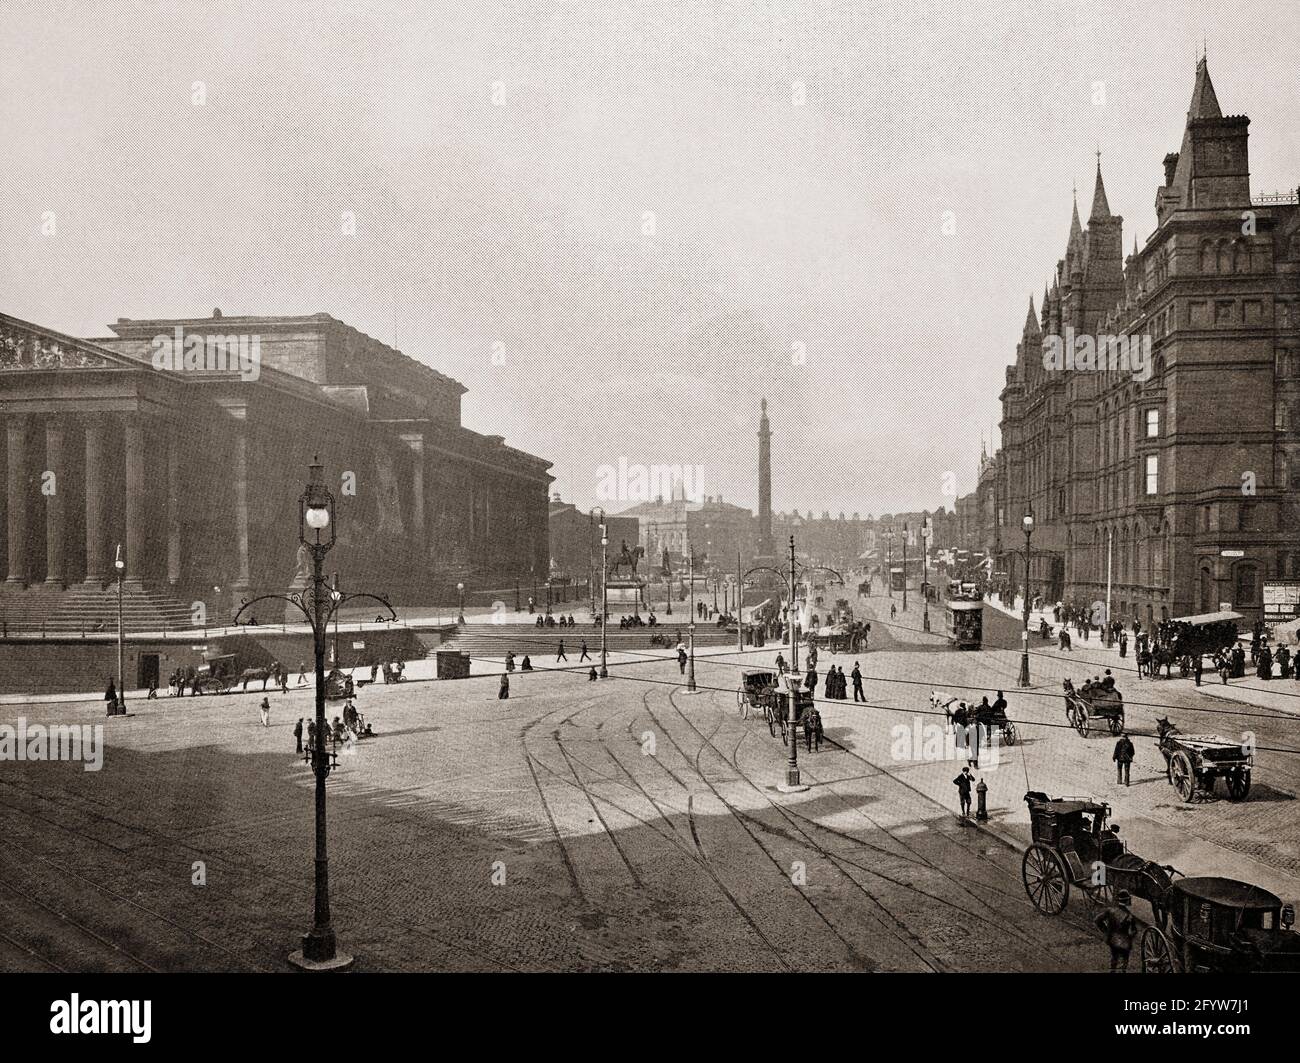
[[89, 609]]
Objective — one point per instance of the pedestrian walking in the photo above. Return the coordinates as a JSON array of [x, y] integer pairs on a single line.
[[963, 783], [1120, 928], [893, 612], [1123, 643], [681, 658], [810, 680], [559, 653], [858, 693], [110, 697], [297, 733], [153, 690], [302, 673], [1196, 668], [1123, 758], [265, 709], [504, 692]]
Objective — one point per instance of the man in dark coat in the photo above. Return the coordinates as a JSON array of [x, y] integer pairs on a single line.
[[963, 783], [504, 692], [810, 680], [1123, 758], [585, 655], [1120, 928], [559, 653], [297, 733], [858, 693]]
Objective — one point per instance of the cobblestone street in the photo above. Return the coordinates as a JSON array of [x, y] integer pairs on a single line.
[[614, 826]]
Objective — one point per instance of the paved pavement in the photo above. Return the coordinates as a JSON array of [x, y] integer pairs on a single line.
[[619, 825]]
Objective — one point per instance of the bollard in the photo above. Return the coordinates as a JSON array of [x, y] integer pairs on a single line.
[[981, 792]]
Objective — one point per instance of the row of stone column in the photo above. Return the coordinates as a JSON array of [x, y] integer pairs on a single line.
[[96, 462]]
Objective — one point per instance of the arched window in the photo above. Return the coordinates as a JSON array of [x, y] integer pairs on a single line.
[[1223, 257], [1207, 257]]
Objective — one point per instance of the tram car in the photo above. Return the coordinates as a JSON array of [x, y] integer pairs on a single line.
[[964, 624]]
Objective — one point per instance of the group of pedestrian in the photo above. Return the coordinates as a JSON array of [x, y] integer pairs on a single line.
[[837, 683]]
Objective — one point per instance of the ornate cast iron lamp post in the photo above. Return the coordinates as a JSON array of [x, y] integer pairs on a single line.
[[318, 603]]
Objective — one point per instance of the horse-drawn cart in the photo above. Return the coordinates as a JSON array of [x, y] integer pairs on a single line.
[[1193, 762], [1222, 926], [1097, 703], [1073, 846], [216, 675]]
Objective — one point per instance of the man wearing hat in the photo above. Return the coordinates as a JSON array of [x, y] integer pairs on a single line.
[[1123, 758], [1120, 928]]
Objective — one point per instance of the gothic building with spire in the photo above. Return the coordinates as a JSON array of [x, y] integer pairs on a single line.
[[1175, 472]]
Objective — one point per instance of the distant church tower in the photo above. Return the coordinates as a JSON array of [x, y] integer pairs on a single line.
[[765, 547]]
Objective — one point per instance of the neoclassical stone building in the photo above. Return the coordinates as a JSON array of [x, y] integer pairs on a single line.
[[194, 464], [1187, 475]]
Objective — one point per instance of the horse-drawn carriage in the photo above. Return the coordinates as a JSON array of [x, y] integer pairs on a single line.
[[1193, 762], [843, 637], [216, 675], [959, 713], [760, 694], [1221, 926], [1073, 846], [1093, 703], [338, 685]]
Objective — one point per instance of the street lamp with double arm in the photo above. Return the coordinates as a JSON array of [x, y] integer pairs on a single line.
[[318, 603]]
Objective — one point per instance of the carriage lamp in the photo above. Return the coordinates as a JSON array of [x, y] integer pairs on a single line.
[[1288, 916], [460, 595]]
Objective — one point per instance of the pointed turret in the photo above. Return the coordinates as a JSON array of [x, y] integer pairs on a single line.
[[1076, 230], [1100, 208], [1031, 322], [1205, 104]]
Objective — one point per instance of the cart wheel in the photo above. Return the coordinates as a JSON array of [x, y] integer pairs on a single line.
[[1009, 734], [1098, 897], [1238, 784], [1081, 722], [1182, 776], [1157, 953], [1117, 724], [771, 723], [785, 732], [1045, 879]]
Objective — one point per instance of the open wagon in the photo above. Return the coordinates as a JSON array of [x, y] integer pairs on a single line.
[[1082, 707], [1074, 847], [1193, 762], [1222, 926]]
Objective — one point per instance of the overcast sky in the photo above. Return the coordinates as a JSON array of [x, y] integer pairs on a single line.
[[503, 160]]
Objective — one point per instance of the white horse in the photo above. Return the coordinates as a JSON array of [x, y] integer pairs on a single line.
[[947, 703]]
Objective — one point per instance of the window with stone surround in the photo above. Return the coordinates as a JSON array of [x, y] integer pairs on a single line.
[[1153, 474]]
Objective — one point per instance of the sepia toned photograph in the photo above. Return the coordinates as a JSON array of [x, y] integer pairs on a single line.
[[708, 488]]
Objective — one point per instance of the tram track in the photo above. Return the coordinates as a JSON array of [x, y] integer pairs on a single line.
[[916, 857], [751, 824]]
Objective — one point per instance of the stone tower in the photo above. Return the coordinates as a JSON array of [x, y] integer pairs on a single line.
[[765, 548]]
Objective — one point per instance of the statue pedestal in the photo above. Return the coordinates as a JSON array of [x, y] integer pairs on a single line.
[[625, 591]]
